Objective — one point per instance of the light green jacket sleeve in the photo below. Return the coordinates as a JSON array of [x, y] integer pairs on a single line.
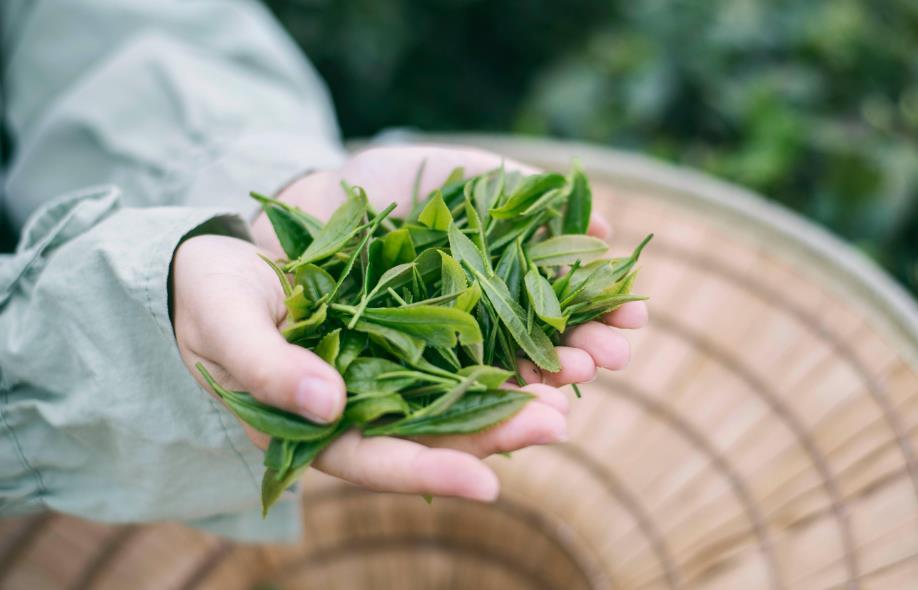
[[133, 125]]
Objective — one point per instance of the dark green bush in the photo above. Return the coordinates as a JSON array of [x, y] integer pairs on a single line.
[[812, 103]]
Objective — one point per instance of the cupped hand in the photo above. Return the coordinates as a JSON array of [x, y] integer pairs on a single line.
[[388, 175], [450, 465], [227, 307]]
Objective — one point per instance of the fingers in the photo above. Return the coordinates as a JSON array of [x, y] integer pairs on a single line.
[[604, 344], [529, 371], [599, 227], [540, 422], [441, 161], [577, 366], [631, 315], [388, 172], [550, 396], [402, 466]]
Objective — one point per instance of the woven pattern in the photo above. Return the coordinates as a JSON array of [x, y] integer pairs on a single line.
[[764, 436]]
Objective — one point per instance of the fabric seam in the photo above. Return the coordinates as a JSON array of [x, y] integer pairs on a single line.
[[42, 490], [221, 415], [151, 308]]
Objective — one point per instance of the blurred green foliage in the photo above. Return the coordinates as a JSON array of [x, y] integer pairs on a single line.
[[813, 103]]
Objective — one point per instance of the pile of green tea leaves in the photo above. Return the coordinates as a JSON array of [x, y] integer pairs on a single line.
[[426, 316]]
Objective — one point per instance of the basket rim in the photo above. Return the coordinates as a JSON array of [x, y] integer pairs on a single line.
[[850, 274]]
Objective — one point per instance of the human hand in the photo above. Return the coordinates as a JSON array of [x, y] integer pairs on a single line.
[[387, 174], [228, 305]]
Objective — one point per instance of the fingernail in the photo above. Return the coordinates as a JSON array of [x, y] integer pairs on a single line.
[[315, 400]]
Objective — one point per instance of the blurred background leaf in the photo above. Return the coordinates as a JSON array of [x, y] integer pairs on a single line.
[[813, 103]]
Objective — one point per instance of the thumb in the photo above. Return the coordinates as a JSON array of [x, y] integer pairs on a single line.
[[281, 374], [227, 307]]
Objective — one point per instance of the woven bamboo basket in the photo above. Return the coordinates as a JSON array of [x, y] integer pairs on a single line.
[[764, 436]]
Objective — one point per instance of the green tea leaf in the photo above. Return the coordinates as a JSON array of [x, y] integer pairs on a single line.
[[264, 418], [549, 200], [453, 278], [474, 225], [397, 248], [437, 326], [416, 185], [427, 265], [579, 204], [365, 375], [598, 277], [279, 455], [352, 344], [512, 181], [533, 341], [486, 191], [435, 214], [391, 278], [308, 221], [396, 342], [294, 231], [329, 346], [524, 195], [281, 275], [509, 269], [472, 413], [423, 237], [512, 230], [273, 421], [566, 249], [449, 360], [273, 484], [445, 401], [561, 283], [297, 304], [589, 310], [456, 176], [304, 454], [490, 377], [388, 279], [341, 227], [360, 249], [544, 301], [373, 408], [464, 250], [624, 286], [303, 328], [468, 299], [316, 281], [294, 238]]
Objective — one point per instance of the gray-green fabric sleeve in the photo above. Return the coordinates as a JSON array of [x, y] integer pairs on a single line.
[[175, 102], [178, 109], [98, 415]]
